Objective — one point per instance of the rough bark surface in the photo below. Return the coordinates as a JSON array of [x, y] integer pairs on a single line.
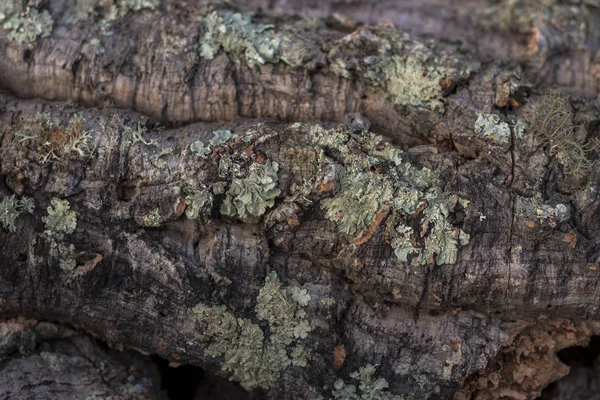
[[140, 260]]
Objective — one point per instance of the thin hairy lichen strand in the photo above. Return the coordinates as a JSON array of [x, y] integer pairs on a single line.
[[376, 180], [552, 122], [240, 342]]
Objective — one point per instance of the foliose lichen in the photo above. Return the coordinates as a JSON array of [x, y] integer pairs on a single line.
[[24, 23], [411, 71], [153, 218], [408, 81], [489, 125], [368, 388], [11, 208], [252, 195], [220, 137], [197, 201], [67, 257], [251, 360], [60, 219], [376, 182], [238, 36], [255, 44]]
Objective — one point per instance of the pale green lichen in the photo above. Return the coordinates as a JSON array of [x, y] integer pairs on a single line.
[[253, 195], [368, 388], [238, 36], [60, 219], [240, 342], [408, 81], [220, 137], [67, 257], [411, 71], [11, 208], [255, 44], [360, 199], [366, 192], [153, 218], [133, 136], [24, 23], [489, 125], [197, 202]]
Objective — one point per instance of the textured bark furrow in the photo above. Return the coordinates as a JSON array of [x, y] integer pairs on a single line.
[[556, 43], [149, 64], [131, 275]]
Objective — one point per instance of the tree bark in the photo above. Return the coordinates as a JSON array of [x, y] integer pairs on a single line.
[[160, 234]]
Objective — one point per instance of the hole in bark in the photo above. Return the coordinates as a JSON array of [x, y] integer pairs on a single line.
[[583, 382], [127, 191], [187, 382]]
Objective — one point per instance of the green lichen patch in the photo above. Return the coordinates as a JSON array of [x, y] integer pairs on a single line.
[[255, 44], [376, 183], [11, 208], [490, 126], [197, 202], [153, 218], [238, 36], [252, 195], [24, 24], [251, 360], [411, 71], [60, 219], [368, 388], [220, 137], [67, 257]]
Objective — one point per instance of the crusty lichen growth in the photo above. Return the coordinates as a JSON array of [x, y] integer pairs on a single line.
[[376, 182], [408, 81], [220, 137], [253, 195], [411, 71], [24, 23], [240, 342], [11, 208], [238, 36], [489, 125], [153, 218], [552, 122], [60, 219], [255, 44], [197, 202], [368, 388]]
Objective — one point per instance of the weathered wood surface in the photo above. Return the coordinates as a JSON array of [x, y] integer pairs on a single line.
[[488, 325]]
